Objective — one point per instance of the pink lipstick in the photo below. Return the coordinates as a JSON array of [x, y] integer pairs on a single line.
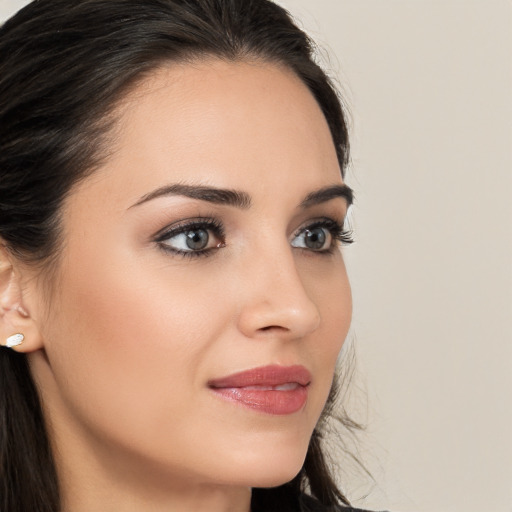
[[271, 389]]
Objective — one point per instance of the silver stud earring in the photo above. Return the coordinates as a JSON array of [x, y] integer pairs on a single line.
[[15, 340]]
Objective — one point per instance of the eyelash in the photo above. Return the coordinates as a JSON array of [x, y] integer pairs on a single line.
[[336, 230]]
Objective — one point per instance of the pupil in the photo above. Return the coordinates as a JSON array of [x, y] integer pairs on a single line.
[[197, 239], [315, 238]]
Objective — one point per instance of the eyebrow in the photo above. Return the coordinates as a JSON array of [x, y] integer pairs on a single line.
[[240, 199], [327, 193], [214, 195]]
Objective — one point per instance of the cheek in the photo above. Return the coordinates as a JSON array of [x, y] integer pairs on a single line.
[[332, 294], [329, 288], [131, 341]]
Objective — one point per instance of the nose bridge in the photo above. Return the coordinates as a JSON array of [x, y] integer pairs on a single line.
[[275, 297]]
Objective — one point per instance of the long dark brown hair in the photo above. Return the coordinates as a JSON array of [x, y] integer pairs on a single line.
[[64, 67]]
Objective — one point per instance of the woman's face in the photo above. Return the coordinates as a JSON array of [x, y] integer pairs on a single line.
[[200, 249]]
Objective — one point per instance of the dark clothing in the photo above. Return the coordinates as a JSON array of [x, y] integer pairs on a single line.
[[266, 502], [309, 504]]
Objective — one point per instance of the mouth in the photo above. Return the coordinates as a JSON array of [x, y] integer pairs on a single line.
[[277, 390]]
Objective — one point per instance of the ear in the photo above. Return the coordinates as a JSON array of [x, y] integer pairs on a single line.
[[15, 318]]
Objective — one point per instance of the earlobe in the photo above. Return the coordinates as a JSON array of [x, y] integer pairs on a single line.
[[18, 331]]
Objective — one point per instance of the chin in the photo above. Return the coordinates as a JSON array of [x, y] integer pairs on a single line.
[[270, 468], [275, 479]]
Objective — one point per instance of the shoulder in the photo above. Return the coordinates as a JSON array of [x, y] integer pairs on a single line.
[[309, 504]]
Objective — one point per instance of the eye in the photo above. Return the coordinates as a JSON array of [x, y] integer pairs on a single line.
[[193, 238], [196, 239], [321, 236], [314, 238]]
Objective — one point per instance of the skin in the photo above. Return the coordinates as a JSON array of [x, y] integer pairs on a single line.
[[134, 333]]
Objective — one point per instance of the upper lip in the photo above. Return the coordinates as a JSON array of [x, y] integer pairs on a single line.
[[273, 375]]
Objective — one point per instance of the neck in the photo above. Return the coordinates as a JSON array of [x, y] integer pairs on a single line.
[[121, 499], [113, 483]]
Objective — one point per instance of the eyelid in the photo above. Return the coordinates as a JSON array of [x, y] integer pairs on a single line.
[[175, 228], [314, 222], [330, 223]]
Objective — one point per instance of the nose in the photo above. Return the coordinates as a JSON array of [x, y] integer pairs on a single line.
[[275, 301]]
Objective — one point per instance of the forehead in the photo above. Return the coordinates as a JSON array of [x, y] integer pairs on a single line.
[[246, 125]]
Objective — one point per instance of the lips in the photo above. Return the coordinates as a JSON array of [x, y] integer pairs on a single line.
[[272, 389]]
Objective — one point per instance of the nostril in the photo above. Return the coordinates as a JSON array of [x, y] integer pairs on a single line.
[[272, 327]]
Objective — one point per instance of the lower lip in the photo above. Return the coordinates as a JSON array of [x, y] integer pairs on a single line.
[[268, 401]]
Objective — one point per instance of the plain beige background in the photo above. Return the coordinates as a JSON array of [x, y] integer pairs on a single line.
[[429, 85]]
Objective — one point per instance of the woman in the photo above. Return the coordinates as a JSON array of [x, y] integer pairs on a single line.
[[173, 296]]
